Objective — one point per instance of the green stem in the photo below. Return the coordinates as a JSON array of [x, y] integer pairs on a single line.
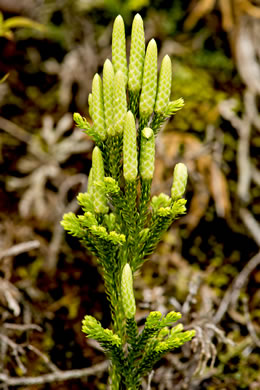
[[134, 102], [115, 145]]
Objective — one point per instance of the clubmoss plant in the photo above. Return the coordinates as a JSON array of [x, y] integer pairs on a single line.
[[121, 225]]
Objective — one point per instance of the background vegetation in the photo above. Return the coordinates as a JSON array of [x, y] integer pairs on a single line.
[[207, 266]]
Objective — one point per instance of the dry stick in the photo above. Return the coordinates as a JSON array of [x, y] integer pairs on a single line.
[[243, 153], [21, 348], [249, 324], [5, 339], [45, 358], [251, 224], [220, 334], [193, 290], [207, 348], [12, 295], [246, 55], [243, 127], [16, 349], [232, 294], [251, 105], [22, 327], [14, 130], [150, 377], [58, 376], [20, 248], [255, 175]]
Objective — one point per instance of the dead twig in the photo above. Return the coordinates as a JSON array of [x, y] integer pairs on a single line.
[[246, 55], [52, 367], [232, 294], [59, 376], [10, 295], [5, 339], [251, 224], [14, 130], [255, 175], [150, 377], [193, 290], [243, 127], [20, 248], [16, 350], [22, 327], [249, 323]]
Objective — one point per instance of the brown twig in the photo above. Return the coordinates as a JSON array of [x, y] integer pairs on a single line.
[[232, 294], [243, 126], [150, 377], [193, 290], [14, 130], [246, 55], [11, 295], [22, 327], [5, 339], [59, 376], [255, 175], [251, 224], [16, 350], [20, 248], [52, 367], [249, 324]]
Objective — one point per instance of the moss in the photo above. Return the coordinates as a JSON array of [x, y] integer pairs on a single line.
[[196, 86]]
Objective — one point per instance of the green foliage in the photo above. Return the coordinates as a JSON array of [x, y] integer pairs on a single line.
[[111, 343], [121, 225], [152, 343], [88, 129]]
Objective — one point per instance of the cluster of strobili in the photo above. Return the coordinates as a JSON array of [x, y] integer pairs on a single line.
[[121, 224]]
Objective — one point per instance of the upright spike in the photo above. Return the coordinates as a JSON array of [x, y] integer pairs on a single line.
[[164, 86], [108, 93], [129, 148], [149, 87], [147, 154], [127, 292], [137, 53], [97, 107], [119, 47], [180, 176]]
